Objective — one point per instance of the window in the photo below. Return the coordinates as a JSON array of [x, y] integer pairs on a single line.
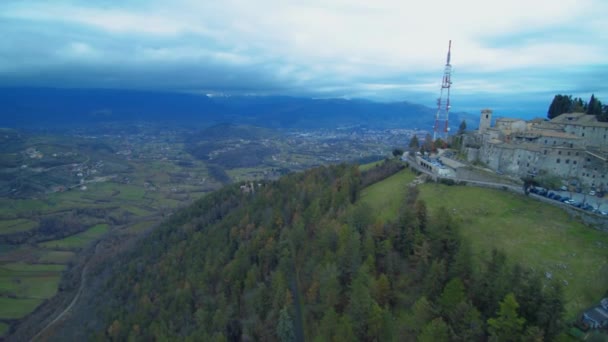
[[568, 152], [558, 160], [559, 152], [582, 135], [545, 151], [577, 153], [574, 162], [567, 161]]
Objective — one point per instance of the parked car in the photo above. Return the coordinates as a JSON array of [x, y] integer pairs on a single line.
[[557, 197], [550, 195], [591, 193], [564, 188], [566, 200]]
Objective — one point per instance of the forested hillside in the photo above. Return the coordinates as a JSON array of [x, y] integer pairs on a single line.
[[301, 258]]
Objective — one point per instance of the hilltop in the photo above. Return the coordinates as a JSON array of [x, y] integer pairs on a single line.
[[311, 256]]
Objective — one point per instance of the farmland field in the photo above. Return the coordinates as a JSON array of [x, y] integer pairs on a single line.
[[77, 241]]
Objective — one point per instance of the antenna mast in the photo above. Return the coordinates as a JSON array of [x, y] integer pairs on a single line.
[[443, 112]]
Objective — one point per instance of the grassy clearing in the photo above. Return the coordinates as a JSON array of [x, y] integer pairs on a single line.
[[534, 234], [537, 235], [15, 308], [141, 226], [24, 268], [17, 225], [385, 197], [365, 167], [55, 257], [78, 240]]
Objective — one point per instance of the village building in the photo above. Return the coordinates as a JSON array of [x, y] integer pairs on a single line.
[[572, 146]]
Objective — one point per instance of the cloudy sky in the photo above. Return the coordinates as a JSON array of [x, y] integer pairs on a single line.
[[512, 55]]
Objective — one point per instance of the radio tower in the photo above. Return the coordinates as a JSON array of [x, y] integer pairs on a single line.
[[444, 111]]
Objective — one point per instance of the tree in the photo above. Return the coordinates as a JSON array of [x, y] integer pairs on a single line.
[[414, 143], [560, 104], [507, 326], [595, 106], [422, 313], [551, 312], [463, 127], [285, 329], [437, 330], [452, 295], [397, 152]]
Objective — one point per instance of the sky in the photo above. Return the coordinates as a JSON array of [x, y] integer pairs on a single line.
[[512, 56]]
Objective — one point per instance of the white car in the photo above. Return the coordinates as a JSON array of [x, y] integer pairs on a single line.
[[592, 193]]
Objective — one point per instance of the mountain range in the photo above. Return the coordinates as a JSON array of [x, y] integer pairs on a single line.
[[54, 107]]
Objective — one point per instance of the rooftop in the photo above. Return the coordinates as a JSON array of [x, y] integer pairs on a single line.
[[579, 119]]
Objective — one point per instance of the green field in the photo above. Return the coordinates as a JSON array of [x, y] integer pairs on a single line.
[[79, 240], [16, 225], [365, 167], [14, 308], [55, 257], [385, 197], [3, 328], [537, 235], [141, 226]]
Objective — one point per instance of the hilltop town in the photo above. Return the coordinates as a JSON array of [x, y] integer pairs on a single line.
[[572, 147]]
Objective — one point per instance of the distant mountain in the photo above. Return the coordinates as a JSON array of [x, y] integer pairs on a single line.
[[44, 107]]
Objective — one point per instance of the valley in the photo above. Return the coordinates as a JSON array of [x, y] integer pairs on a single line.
[[64, 190]]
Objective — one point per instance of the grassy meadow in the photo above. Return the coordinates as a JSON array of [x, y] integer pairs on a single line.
[[534, 234]]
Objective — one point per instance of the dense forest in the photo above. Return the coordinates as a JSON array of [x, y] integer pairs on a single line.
[[301, 258]]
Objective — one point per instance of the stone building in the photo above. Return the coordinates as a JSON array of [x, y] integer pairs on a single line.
[[572, 146]]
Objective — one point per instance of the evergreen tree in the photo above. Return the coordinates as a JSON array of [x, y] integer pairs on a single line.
[[422, 313], [595, 106], [507, 326], [560, 104], [285, 329], [551, 312], [435, 331], [463, 127], [414, 144]]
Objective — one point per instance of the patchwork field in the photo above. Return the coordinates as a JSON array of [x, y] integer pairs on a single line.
[[537, 235], [77, 241]]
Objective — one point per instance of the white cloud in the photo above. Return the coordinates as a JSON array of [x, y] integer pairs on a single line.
[[356, 46]]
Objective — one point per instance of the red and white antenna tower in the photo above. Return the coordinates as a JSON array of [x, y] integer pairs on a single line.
[[443, 112]]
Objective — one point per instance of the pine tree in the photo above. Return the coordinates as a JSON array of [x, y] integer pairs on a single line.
[[560, 104], [595, 106], [414, 143], [463, 127], [437, 330], [285, 329], [507, 326]]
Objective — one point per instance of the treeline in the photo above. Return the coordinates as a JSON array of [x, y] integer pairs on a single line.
[[301, 258], [566, 104]]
